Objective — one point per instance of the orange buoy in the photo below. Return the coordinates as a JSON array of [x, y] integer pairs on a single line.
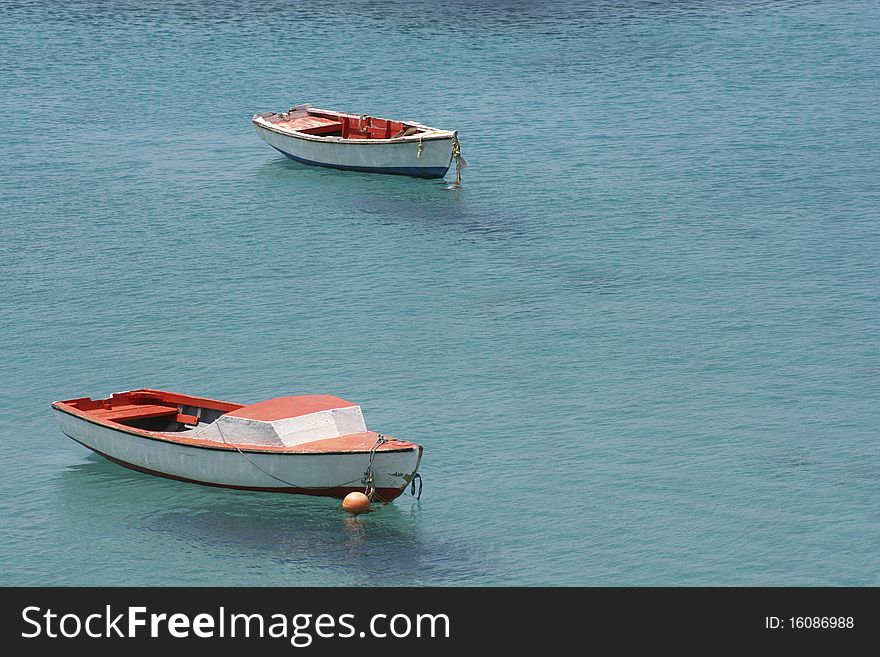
[[356, 503]]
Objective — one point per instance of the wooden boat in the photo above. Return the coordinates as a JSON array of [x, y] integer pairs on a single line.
[[312, 444], [355, 142]]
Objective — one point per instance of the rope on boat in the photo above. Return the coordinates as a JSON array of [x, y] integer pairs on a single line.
[[367, 479], [421, 146], [370, 490], [460, 162], [283, 481], [412, 485]]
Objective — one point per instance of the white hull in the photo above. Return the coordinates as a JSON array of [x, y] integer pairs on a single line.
[[428, 157], [319, 473]]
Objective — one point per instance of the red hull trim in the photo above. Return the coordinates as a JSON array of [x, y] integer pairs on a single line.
[[386, 494]]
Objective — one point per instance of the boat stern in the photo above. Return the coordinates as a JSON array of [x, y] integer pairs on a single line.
[[394, 471]]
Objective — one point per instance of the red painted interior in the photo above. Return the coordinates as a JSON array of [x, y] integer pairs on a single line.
[[133, 412], [125, 405], [313, 125], [347, 126], [183, 418]]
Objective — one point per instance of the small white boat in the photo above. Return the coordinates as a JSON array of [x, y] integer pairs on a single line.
[[358, 142], [312, 444]]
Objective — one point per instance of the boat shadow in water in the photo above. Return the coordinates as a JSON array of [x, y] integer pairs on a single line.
[[430, 205], [301, 540]]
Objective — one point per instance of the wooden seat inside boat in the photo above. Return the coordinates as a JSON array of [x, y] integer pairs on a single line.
[[133, 412], [370, 127], [347, 126], [152, 410], [313, 125]]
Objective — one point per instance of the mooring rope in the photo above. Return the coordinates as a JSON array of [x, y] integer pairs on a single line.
[[460, 162], [412, 485], [370, 490], [283, 481], [367, 479]]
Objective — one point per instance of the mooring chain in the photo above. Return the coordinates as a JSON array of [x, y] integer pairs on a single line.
[[412, 489], [283, 481], [460, 162], [368, 480]]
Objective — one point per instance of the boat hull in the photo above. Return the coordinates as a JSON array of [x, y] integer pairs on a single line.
[[331, 474], [407, 157]]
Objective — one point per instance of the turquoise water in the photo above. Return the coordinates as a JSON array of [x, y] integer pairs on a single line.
[[639, 343]]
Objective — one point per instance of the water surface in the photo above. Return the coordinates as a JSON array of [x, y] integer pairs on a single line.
[[639, 342]]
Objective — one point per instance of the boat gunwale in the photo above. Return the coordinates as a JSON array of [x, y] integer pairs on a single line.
[[200, 443], [432, 134]]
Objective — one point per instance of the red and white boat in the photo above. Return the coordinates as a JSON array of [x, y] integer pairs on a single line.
[[358, 142], [311, 444]]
